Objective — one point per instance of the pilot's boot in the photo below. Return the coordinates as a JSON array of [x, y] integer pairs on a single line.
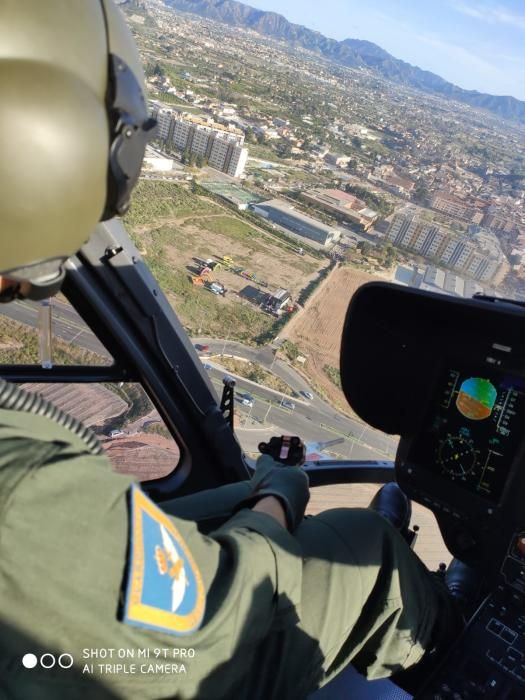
[[463, 582], [393, 504]]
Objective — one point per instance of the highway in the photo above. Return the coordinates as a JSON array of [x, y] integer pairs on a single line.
[[314, 421]]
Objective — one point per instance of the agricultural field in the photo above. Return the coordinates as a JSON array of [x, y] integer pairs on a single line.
[[317, 330], [92, 404], [176, 230], [144, 455]]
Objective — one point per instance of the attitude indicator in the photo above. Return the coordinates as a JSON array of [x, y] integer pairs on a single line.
[[476, 398]]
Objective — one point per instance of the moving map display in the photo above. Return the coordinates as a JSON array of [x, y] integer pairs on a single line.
[[475, 430]]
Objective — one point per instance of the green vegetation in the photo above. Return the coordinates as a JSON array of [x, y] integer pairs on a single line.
[[263, 152], [138, 405], [155, 200], [255, 373], [170, 99], [227, 226], [158, 429], [374, 201], [312, 286], [19, 346], [334, 375], [290, 350]]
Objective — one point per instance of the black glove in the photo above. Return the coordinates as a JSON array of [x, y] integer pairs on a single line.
[[288, 484]]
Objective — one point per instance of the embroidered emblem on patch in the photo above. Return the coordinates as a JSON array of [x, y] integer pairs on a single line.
[[165, 590]]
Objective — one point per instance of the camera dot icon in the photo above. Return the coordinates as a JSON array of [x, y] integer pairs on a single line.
[[47, 661], [29, 661]]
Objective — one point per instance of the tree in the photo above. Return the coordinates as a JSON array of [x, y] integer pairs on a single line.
[[365, 247], [250, 136], [390, 255], [159, 70], [284, 148], [185, 158], [420, 194], [199, 161]]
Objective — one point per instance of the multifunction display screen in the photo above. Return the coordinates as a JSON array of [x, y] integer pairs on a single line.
[[475, 429]]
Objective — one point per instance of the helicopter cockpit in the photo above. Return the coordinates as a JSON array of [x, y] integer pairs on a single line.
[[453, 387], [446, 375]]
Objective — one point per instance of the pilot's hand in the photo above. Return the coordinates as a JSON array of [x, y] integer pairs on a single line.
[[288, 484]]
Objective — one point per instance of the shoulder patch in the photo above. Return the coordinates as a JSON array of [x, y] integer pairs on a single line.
[[165, 590]]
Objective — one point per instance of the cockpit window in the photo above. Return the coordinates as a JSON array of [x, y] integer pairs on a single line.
[[125, 421], [50, 333]]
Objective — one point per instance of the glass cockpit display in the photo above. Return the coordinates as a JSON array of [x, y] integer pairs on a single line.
[[476, 427]]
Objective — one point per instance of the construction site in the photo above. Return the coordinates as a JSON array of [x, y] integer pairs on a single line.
[[207, 274]]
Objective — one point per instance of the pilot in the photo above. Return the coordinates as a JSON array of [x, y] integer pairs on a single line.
[[103, 594]]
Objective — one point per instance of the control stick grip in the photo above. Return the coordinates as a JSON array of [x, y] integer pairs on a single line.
[[286, 449]]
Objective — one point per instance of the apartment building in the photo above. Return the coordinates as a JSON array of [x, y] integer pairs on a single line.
[[478, 256], [223, 149], [471, 211], [165, 123]]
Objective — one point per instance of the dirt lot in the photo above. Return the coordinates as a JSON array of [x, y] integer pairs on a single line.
[[257, 254], [317, 330], [176, 228]]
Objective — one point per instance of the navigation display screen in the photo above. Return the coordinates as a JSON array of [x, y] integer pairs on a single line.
[[476, 428]]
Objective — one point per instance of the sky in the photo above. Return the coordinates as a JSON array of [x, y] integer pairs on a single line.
[[476, 44]]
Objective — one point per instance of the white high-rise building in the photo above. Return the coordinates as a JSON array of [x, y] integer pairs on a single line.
[[237, 162], [222, 149]]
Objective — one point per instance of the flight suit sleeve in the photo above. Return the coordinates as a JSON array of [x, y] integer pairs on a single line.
[[278, 556]]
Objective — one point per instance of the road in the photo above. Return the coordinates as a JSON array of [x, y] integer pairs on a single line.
[[314, 420], [67, 324]]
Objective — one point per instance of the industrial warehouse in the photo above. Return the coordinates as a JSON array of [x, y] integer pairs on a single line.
[[286, 216]]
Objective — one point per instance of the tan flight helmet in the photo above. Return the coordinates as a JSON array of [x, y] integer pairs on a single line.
[[73, 130]]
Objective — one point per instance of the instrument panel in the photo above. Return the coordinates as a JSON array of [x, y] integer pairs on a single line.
[[473, 430]]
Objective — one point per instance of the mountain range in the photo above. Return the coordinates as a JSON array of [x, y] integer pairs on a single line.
[[353, 53]]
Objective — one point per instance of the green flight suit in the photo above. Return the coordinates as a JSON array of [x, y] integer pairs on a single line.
[[284, 612]]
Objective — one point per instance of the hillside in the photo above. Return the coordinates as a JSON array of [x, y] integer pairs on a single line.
[[353, 53]]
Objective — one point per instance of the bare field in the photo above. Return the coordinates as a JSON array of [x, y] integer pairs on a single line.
[[317, 330], [260, 256], [179, 234]]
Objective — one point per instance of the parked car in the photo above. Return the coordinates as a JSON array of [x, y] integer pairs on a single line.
[[307, 395], [247, 400], [202, 348], [288, 404], [207, 366]]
